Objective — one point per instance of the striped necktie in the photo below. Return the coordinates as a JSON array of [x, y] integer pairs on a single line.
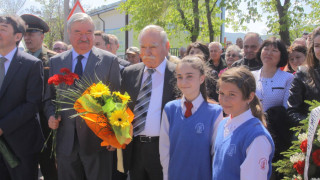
[[2, 70], [142, 104]]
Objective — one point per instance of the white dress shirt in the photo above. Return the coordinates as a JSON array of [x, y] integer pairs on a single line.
[[9, 58], [273, 91], [259, 149], [164, 141], [84, 60], [152, 126]]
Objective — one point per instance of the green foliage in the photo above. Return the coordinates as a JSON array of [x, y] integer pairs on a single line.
[[238, 17], [51, 12], [174, 16], [287, 16]]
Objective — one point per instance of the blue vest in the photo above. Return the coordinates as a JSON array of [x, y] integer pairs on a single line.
[[190, 141], [230, 152]]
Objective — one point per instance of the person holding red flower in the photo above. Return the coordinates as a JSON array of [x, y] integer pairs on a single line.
[[21, 87], [79, 151]]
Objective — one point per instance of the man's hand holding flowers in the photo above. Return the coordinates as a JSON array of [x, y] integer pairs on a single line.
[[53, 122]]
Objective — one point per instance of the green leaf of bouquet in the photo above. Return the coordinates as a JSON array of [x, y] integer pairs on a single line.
[[89, 104], [119, 106], [109, 106], [78, 114], [316, 143]]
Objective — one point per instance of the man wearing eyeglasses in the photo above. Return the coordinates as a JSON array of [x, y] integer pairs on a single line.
[[59, 46], [33, 39], [216, 61]]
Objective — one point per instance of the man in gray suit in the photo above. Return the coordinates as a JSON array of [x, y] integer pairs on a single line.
[[79, 154], [141, 157]]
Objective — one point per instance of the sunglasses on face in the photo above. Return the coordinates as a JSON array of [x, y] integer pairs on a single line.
[[231, 55]]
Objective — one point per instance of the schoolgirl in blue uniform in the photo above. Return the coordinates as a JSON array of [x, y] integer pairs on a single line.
[[243, 147], [188, 126]]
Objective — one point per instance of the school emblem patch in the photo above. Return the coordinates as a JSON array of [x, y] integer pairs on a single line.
[[263, 163], [199, 128]]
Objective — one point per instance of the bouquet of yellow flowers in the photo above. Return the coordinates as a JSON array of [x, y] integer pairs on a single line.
[[106, 114]]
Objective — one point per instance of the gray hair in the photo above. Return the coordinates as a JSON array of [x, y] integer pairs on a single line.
[[79, 17], [254, 35], [61, 42], [156, 28], [234, 48], [215, 43]]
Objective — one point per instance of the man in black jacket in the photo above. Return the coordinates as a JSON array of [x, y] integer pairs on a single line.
[[251, 44]]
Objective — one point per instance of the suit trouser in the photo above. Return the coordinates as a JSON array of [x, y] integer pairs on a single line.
[[46, 161], [26, 170], [81, 166], [145, 161]]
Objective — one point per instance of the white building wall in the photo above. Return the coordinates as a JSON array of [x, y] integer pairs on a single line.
[[114, 21]]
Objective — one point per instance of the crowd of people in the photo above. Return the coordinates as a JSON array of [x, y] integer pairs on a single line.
[[206, 114]]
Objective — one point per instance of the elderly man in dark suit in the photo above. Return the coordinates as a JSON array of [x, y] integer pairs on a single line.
[[79, 154], [21, 87], [150, 85]]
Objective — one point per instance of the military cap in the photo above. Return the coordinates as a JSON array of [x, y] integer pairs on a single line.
[[35, 23]]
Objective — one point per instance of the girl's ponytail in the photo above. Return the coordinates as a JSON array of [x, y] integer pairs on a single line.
[[257, 111]]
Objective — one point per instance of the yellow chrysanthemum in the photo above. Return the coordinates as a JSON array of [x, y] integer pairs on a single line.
[[123, 97], [99, 90], [119, 118]]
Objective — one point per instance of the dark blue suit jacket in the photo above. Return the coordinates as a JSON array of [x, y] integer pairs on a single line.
[[20, 99]]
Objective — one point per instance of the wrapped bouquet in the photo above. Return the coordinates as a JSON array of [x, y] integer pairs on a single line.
[[106, 114]]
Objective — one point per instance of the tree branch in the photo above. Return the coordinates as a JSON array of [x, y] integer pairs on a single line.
[[184, 20], [214, 5]]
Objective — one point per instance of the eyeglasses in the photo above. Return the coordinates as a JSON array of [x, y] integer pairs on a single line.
[[59, 49], [231, 55]]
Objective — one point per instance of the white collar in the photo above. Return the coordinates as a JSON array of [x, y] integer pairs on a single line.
[[240, 119], [10, 55], [75, 54], [260, 78], [196, 102], [161, 68]]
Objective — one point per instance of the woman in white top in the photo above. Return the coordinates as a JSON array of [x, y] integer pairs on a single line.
[[272, 84]]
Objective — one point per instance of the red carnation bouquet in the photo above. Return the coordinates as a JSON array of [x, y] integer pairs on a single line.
[[303, 156], [61, 82]]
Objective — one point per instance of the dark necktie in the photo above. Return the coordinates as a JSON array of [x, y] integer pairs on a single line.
[[189, 106], [78, 70], [2, 70], [142, 104]]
